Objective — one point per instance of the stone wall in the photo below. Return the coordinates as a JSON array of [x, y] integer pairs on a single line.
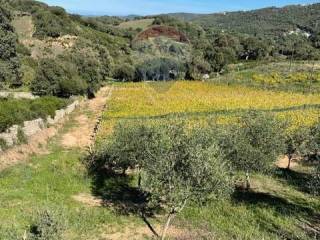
[[17, 95], [30, 128]]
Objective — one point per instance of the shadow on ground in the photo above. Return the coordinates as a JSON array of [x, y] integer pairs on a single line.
[[116, 191], [299, 180], [309, 220]]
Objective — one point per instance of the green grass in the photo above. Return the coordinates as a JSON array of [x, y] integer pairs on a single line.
[[49, 183], [273, 210], [134, 24]]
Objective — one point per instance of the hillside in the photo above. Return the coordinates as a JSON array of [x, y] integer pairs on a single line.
[[263, 21], [107, 47]]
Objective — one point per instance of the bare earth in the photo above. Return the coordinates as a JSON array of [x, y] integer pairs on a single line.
[[82, 135]]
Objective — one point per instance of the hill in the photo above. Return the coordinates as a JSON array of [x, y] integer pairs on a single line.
[[94, 49], [262, 21]]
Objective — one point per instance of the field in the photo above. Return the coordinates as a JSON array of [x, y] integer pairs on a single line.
[[297, 76], [134, 24], [204, 101]]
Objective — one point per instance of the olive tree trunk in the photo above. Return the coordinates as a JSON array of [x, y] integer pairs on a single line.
[[248, 182], [167, 225]]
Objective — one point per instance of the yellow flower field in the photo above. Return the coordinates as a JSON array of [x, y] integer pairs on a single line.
[[198, 100]]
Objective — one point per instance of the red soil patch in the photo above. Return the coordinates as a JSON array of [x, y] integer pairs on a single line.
[[157, 31]]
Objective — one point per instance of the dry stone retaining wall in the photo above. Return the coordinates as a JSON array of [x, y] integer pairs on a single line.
[[30, 128], [18, 95]]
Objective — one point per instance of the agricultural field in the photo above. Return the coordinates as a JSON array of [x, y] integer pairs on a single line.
[[202, 101], [135, 24], [295, 76]]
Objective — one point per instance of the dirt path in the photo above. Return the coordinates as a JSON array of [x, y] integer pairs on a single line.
[[86, 118], [81, 136]]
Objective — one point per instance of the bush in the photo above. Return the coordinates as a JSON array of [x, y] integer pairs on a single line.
[[48, 75], [9, 62], [47, 226], [21, 137], [124, 72], [13, 111], [3, 144], [59, 79], [73, 86], [314, 183], [160, 69], [313, 146]]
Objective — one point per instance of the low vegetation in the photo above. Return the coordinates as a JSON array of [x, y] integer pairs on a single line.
[[15, 111]]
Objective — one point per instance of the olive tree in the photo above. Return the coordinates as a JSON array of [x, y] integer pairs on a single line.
[[314, 142], [254, 144], [184, 167], [177, 166], [314, 183], [296, 143]]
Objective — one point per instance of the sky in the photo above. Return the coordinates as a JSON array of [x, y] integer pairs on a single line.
[[148, 7]]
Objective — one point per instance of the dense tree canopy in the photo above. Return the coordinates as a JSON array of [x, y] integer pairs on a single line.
[[9, 62]]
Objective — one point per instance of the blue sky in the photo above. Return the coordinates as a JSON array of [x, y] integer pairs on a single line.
[[145, 7]]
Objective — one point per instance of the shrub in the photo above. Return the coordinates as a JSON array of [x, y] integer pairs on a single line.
[[3, 144], [60, 79], [73, 86], [160, 69], [124, 72], [13, 111], [21, 137], [23, 50], [314, 183], [313, 146], [9, 62], [297, 143], [47, 226], [48, 75]]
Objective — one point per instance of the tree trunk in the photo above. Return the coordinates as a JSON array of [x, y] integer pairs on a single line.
[[248, 184], [139, 179], [166, 227], [289, 163]]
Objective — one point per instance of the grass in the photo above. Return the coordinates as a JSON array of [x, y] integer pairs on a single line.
[[272, 211], [49, 183], [134, 24]]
